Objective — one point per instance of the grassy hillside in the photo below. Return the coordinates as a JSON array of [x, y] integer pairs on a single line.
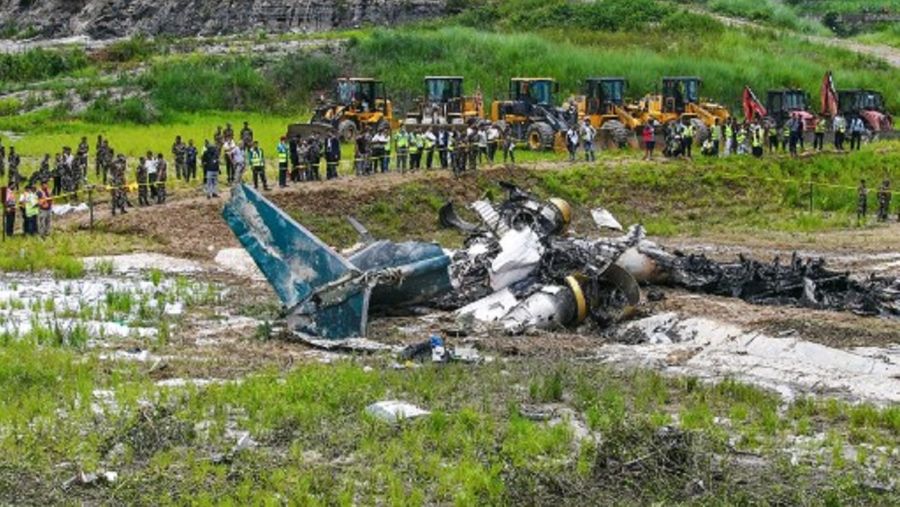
[[727, 59], [144, 82]]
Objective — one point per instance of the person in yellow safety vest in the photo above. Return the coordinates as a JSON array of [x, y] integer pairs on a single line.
[[29, 203], [687, 139], [451, 146], [415, 151], [839, 124], [386, 161], [258, 164], [716, 135], [756, 139], [819, 139], [430, 141], [729, 137], [282, 150], [401, 140], [741, 140], [9, 211]]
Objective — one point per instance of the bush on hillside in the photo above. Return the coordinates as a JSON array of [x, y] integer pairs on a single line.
[[137, 48], [610, 15], [296, 77], [40, 63], [109, 111], [210, 83]]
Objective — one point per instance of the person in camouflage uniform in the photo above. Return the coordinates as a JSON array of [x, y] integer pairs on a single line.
[[14, 161], [462, 153], [104, 160], [247, 136], [2, 159], [472, 143], [98, 149], [82, 156], [862, 202], [141, 178], [219, 138], [56, 173], [162, 174], [68, 174], [117, 181], [42, 174], [884, 201], [179, 151]]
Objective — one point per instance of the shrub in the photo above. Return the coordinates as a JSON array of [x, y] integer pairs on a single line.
[[208, 83], [297, 76], [39, 63], [10, 106], [109, 111], [138, 48]]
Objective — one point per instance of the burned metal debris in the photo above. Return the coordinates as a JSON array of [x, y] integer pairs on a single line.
[[799, 282], [518, 270]]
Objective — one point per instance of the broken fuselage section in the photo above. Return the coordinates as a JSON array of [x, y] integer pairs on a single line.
[[516, 271]]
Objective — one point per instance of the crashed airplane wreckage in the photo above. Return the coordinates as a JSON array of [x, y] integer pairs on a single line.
[[518, 270]]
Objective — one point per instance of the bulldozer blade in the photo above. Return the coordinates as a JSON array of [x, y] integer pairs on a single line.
[[301, 130]]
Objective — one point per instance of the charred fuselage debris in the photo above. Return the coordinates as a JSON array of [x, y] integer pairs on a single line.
[[800, 282]]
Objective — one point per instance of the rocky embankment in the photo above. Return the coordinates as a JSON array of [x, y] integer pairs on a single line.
[[103, 19]]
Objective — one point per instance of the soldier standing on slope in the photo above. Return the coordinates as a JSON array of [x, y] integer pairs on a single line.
[[884, 201], [862, 204]]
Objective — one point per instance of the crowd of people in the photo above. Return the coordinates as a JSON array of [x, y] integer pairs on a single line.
[[732, 137], [459, 148]]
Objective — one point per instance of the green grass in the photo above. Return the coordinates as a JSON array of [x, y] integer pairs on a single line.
[[316, 444], [726, 59], [770, 12], [61, 251], [889, 36], [817, 7]]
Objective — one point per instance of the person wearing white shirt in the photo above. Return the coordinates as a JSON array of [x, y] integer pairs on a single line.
[[572, 142], [588, 133], [152, 175]]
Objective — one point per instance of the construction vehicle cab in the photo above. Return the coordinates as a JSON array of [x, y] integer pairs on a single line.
[[604, 105], [358, 102], [679, 93], [529, 112], [444, 103], [680, 100], [867, 104], [782, 104]]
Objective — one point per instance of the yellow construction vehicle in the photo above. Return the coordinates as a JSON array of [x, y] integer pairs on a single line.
[[444, 103], [604, 104], [680, 100], [358, 102], [530, 114]]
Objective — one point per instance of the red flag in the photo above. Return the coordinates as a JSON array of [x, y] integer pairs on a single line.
[[829, 96], [752, 105]]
